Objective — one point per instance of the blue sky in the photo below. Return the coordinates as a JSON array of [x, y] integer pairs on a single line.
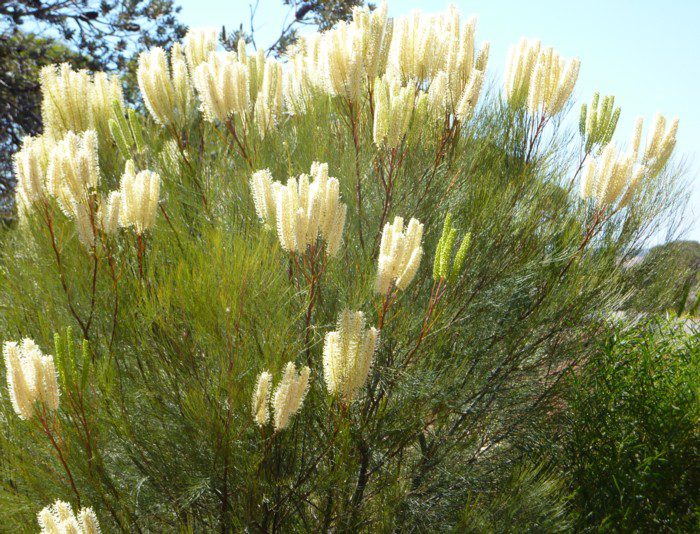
[[645, 52]]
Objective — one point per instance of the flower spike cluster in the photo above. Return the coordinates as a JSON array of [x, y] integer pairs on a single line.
[[426, 45], [393, 109], [539, 78], [521, 62], [223, 86], [30, 165], [348, 354], [31, 378], [463, 66], [232, 84], [289, 394], [443, 253], [110, 212], [598, 122], [198, 44], [660, 144], [76, 101], [376, 30], [270, 99], [343, 67], [614, 177], [400, 253], [166, 89], [298, 88], [606, 178], [302, 211], [73, 169], [66, 170], [286, 399], [415, 46], [344, 60], [139, 198], [60, 519], [72, 176]]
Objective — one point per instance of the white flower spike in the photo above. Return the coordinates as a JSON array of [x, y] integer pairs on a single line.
[[400, 253], [348, 354]]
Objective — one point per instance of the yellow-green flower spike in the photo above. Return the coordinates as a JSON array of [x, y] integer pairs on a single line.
[[460, 257], [598, 121]]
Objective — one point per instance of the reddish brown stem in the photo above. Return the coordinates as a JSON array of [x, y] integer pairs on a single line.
[[141, 249], [61, 457], [232, 130], [358, 178], [61, 274]]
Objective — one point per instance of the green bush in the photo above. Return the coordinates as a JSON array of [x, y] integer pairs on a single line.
[[633, 431], [170, 310], [667, 280]]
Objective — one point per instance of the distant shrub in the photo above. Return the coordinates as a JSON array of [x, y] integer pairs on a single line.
[[667, 279], [632, 439]]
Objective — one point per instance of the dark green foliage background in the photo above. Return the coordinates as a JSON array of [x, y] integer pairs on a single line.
[[632, 440]]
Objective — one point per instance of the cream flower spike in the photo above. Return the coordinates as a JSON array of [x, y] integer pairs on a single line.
[[342, 62], [262, 186], [30, 166], [461, 61], [289, 395], [348, 354], [613, 176], [31, 378], [139, 198], [198, 44], [438, 106], [110, 212], [65, 93], [374, 31], [302, 211], [256, 73], [72, 175], [297, 86], [468, 101], [105, 91], [85, 224], [76, 101], [223, 86], [166, 89], [551, 82], [416, 47], [660, 144], [73, 171], [270, 100], [307, 56], [393, 110], [60, 519], [520, 66], [610, 177], [261, 399], [400, 253]]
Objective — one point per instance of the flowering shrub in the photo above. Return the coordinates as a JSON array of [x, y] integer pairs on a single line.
[[277, 356]]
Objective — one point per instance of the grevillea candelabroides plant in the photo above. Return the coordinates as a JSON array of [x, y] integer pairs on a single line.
[[334, 291]]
